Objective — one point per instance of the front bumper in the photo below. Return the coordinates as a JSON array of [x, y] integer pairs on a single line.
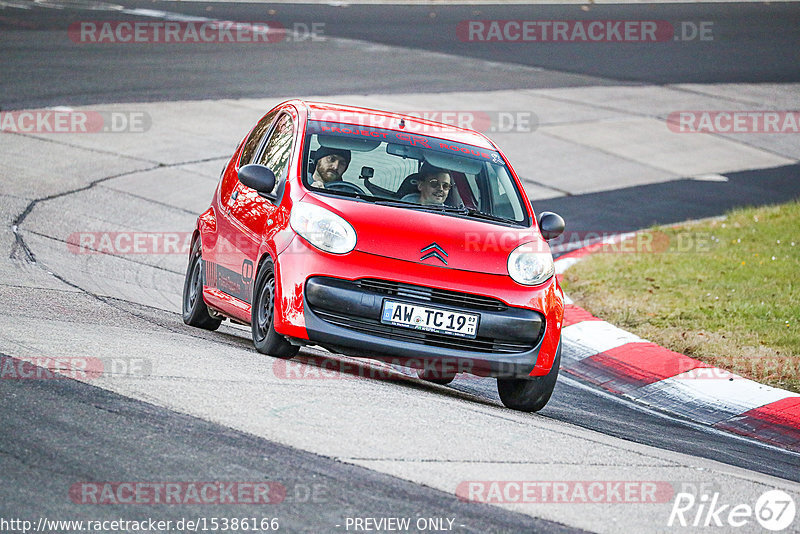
[[345, 315], [324, 300]]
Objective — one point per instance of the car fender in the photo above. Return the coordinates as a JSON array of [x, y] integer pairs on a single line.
[[207, 227], [554, 313], [289, 301]]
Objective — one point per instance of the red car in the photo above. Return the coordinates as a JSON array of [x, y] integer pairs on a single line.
[[382, 236]]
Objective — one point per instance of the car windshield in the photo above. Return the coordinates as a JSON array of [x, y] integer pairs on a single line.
[[412, 171]]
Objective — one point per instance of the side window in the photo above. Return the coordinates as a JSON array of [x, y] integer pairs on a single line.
[[278, 150], [505, 199], [255, 138], [472, 181]]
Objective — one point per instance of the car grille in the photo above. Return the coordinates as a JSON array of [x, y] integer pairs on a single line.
[[348, 311], [373, 327], [428, 294]]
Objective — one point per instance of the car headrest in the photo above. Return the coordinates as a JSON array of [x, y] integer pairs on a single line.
[[409, 185]]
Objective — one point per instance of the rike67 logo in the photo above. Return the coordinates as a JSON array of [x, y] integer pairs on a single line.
[[774, 510]]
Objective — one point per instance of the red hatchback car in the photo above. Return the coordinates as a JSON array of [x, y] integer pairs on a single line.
[[382, 236]]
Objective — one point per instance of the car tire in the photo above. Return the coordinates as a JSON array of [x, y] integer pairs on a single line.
[[265, 338], [435, 377], [529, 394], [195, 312]]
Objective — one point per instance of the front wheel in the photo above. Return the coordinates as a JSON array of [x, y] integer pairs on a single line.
[[265, 338], [529, 394], [195, 311]]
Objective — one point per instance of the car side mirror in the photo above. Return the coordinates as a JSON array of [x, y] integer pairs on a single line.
[[551, 225], [258, 177]]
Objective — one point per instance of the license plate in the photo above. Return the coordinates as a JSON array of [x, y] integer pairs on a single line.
[[430, 319]]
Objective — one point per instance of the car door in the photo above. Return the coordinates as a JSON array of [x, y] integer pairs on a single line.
[[223, 260], [253, 216]]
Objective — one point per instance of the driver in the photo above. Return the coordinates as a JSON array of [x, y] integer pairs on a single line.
[[330, 165]]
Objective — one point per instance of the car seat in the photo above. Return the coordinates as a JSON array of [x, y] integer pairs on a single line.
[[408, 186]]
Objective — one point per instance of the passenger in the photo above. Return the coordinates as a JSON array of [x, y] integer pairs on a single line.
[[330, 165], [434, 185]]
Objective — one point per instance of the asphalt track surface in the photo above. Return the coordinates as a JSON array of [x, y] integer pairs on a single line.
[[675, 201], [55, 432], [750, 43], [111, 437]]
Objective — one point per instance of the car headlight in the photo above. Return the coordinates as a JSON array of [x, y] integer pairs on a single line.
[[322, 228], [529, 265]]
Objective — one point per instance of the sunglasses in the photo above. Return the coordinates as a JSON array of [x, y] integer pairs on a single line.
[[436, 183]]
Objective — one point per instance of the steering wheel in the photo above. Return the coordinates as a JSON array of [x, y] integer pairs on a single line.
[[345, 186]]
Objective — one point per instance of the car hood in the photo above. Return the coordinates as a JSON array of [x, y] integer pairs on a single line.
[[434, 239]]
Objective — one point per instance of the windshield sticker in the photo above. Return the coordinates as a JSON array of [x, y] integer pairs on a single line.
[[404, 138]]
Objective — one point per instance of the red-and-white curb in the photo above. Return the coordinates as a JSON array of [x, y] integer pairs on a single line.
[[627, 365]]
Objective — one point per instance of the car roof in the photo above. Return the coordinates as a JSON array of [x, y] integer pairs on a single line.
[[390, 121]]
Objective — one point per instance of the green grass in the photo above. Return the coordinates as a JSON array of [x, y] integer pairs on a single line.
[[726, 292]]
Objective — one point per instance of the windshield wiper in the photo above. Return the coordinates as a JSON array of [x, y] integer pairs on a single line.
[[445, 208], [463, 210], [460, 210], [349, 194], [397, 204], [340, 192], [424, 207], [421, 207], [472, 212]]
